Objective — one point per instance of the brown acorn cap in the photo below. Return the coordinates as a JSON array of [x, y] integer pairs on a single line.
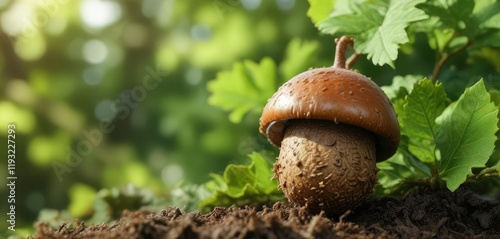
[[338, 95]]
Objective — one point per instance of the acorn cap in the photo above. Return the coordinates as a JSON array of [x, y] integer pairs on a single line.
[[338, 95]]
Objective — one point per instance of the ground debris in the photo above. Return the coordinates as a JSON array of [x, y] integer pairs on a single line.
[[422, 214], [434, 214], [278, 221]]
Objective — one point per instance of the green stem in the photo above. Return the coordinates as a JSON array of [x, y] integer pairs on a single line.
[[435, 180], [485, 173]]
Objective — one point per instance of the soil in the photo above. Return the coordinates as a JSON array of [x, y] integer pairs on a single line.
[[421, 214]]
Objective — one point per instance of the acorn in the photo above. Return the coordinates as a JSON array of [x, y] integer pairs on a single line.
[[332, 126]]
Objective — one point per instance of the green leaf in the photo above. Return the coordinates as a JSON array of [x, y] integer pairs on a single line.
[[464, 17], [298, 57], [392, 172], [400, 168], [490, 38], [245, 88], [495, 156], [487, 13], [319, 10], [399, 82], [377, 26], [398, 92], [424, 104], [264, 175], [243, 184], [438, 39], [240, 179], [187, 196], [454, 14], [466, 135]]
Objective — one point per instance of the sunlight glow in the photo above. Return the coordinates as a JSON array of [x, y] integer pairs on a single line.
[[100, 14], [15, 18], [56, 26]]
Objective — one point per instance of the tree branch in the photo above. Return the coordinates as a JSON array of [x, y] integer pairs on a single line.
[[444, 58]]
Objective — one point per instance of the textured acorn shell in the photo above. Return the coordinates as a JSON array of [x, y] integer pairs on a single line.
[[326, 166]]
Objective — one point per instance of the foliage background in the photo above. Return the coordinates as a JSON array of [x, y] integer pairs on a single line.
[[63, 63]]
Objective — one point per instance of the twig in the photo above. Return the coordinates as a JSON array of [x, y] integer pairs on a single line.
[[340, 53], [445, 57], [352, 59]]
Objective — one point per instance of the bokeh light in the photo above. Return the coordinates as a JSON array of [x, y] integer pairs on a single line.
[[285, 5], [103, 111], [93, 75], [100, 14], [172, 174], [201, 32], [95, 51], [16, 17], [251, 4]]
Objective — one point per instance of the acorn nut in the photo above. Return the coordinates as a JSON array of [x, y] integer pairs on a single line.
[[332, 125]]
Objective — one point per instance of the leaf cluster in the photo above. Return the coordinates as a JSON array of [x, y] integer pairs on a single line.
[[381, 27], [246, 87], [442, 141], [244, 90], [251, 184]]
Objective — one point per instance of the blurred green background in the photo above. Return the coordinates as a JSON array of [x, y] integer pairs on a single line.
[[66, 66], [73, 70]]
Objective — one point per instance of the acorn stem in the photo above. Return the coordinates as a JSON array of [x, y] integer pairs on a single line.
[[340, 53]]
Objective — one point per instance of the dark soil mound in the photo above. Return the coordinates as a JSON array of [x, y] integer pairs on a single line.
[[439, 214], [422, 214]]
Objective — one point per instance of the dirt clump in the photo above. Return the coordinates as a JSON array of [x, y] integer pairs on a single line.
[[434, 214], [278, 221], [422, 214]]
